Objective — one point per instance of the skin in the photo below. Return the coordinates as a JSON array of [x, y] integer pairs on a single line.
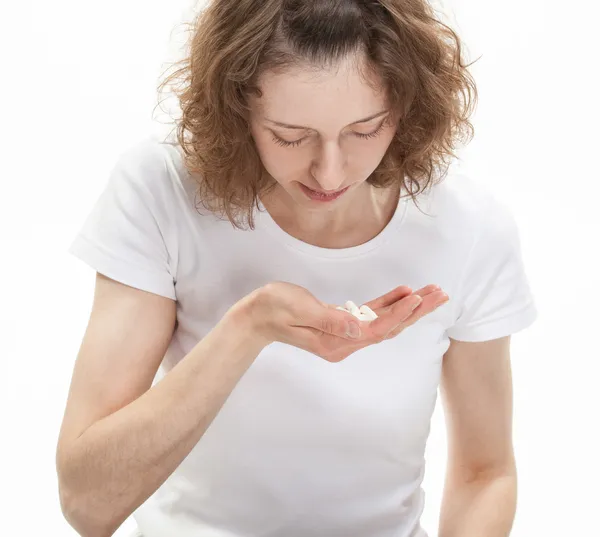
[[334, 150], [480, 492], [288, 313]]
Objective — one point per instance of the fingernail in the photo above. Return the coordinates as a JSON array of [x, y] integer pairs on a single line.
[[443, 301], [352, 330], [416, 304]]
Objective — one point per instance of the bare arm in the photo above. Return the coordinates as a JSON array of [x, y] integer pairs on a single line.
[[120, 439], [481, 484]]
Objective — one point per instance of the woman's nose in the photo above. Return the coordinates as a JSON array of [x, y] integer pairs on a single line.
[[328, 169]]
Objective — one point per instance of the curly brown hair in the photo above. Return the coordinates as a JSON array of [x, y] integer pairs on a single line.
[[232, 42]]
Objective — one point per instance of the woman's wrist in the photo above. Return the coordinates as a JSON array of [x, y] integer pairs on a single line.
[[245, 320]]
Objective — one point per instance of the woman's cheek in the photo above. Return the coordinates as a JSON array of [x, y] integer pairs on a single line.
[[283, 164], [364, 160]]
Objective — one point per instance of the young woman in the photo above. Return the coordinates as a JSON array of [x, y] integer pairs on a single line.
[[218, 390]]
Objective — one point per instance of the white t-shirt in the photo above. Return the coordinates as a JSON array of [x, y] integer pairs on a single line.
[[304, 447]]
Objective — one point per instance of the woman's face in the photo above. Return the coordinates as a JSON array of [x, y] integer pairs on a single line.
[[325, 130]]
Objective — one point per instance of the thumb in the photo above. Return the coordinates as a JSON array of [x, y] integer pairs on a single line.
[[330, 320]]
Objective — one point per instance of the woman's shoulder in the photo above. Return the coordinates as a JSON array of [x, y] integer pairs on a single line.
[[464, 201], [154, 166], [150, 157]]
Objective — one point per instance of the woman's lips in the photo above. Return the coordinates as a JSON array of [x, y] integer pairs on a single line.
[[320, 196]]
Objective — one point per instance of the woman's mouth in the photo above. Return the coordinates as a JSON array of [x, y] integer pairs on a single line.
[[315, 195]]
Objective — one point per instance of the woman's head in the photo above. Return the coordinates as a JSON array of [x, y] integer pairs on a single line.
[[326, 129], [325, 66]]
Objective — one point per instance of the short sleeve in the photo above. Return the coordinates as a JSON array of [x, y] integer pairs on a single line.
[[494, 297], [124, 235]]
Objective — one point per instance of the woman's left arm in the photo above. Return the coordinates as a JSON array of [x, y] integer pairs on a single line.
[[480, 490]]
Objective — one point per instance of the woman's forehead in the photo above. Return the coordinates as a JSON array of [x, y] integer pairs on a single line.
[[309, 97]]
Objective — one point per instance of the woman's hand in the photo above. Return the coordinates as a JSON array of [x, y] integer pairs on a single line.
[[290, 314]]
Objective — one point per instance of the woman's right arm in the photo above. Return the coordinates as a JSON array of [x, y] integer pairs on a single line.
[[121, 438]]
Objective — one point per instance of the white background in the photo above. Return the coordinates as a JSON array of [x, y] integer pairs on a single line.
[[78, 85]]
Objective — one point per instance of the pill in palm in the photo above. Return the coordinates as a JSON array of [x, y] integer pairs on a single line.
[[352, 308], [365, 310], [364, 313]]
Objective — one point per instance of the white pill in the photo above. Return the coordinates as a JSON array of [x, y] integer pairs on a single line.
[[368, 312], [364, 313], [352, 308]]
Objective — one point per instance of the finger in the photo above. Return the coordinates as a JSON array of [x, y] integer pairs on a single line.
[[429, 304], [331, 321], [395, 314], [396, 331], [400, 293], [423, 292], [389, 298], [427, 290]]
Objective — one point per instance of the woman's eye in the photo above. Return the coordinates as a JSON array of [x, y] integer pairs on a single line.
[[285, 143], [373, 134], [296, 143]]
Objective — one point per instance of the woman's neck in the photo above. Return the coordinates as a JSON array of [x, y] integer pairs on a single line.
[[361, 218]]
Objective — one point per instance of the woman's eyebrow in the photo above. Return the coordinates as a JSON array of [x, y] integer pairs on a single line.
[[288, 126]]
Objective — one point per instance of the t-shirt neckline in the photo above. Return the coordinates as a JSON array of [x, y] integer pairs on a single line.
[[266, 221]]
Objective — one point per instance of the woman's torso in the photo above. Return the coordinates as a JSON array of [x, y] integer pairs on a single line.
[[303, 446]]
